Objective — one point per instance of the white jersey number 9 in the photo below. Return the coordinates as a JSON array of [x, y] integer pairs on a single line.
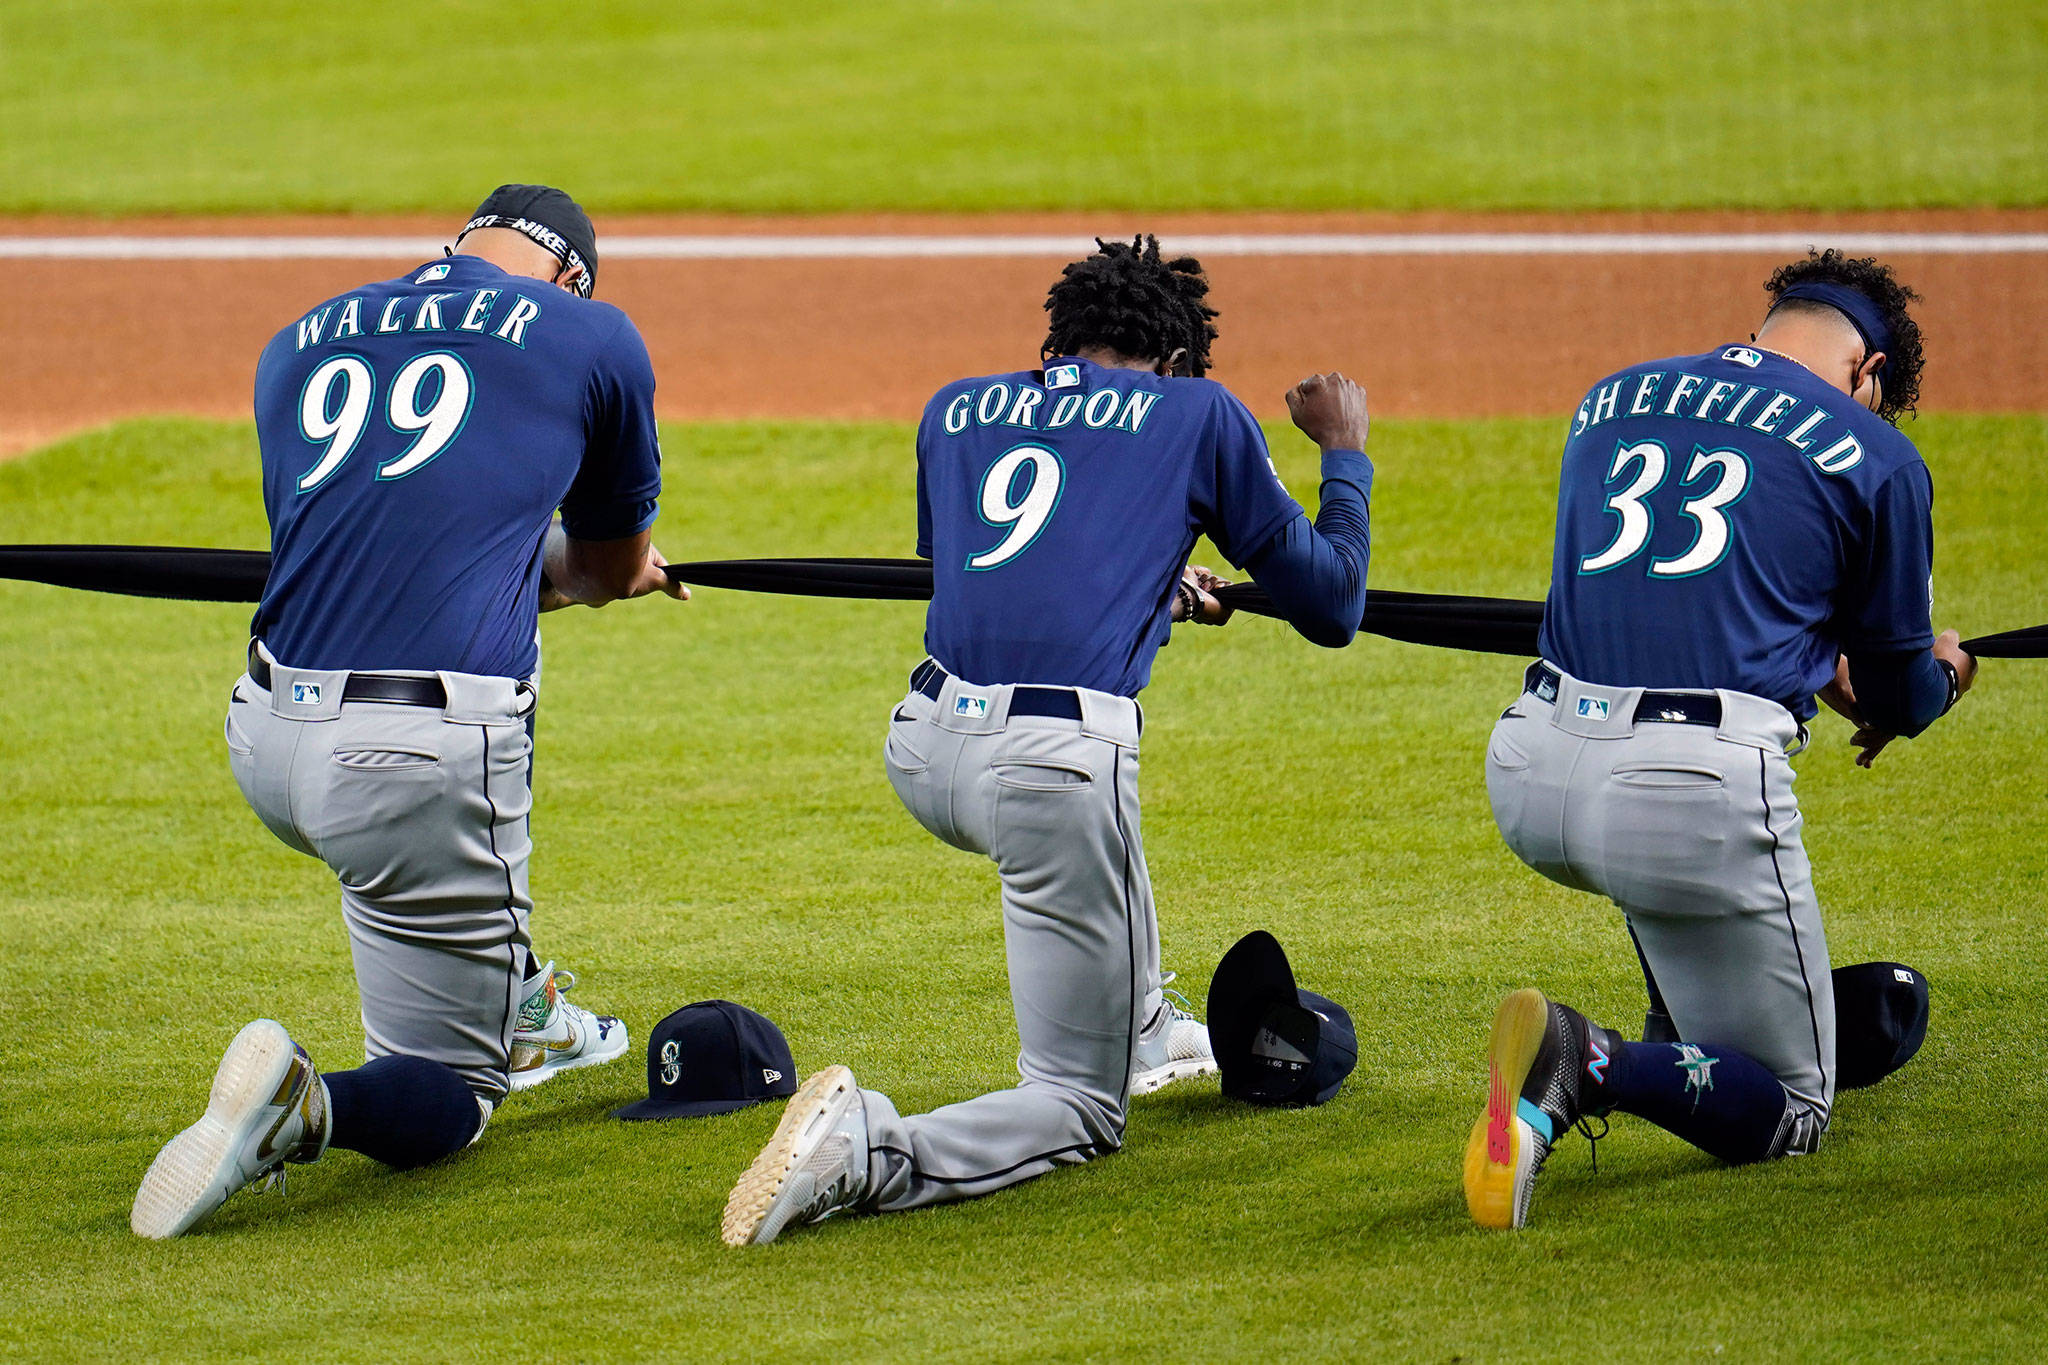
[[1704, 509], [431, 396], [1024, 510]]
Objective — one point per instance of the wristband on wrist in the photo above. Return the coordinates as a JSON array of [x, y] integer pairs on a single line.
[[1955, 685]]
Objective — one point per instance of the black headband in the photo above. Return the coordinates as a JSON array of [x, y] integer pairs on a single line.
[[549, 219], [543, 236]]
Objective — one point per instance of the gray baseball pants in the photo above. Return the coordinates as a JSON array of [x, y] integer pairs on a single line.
[[422, 814], [1054, 802], [1695, 833]]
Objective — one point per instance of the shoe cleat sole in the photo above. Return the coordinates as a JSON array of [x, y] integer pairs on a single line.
[[1159, 1077], [1503, 1148], [811, 1113], [187, 1180]]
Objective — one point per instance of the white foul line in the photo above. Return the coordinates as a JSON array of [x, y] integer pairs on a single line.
[[737, 248]]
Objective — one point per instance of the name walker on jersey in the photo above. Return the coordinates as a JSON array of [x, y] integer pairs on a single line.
[[488, 312]]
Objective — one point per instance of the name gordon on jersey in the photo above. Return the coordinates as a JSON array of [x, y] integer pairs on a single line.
[[1025, 406], [1721, 403], [470, 310]]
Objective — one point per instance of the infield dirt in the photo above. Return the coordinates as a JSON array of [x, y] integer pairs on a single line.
[[87, 341]]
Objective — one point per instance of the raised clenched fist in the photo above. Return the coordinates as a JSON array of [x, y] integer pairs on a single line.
[[1331, 411]]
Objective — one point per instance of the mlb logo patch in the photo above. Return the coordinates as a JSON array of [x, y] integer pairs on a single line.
[[974, 708], [1063, 376], [1742, 355], [1901, 974], [1592, 708], [306, 694], [430, 274]]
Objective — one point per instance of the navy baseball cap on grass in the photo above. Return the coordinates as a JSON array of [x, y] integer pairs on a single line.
[[711, 1058], [1880, 1021], [1275, 1043]]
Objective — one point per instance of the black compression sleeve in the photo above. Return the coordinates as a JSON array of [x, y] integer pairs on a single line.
[[1316, 574]]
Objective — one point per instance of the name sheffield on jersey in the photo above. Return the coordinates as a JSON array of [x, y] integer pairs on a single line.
[[1672, 393], [493, 312]]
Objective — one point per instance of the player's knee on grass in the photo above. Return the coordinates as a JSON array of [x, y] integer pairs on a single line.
[[403, 1111]]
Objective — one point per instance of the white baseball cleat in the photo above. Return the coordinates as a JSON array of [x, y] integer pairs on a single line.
[[268, 1106], [553, 1035], [816, 1165], [1174, 1047]]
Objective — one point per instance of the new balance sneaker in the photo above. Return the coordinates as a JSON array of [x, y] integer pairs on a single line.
[[1537, 1063], [553, 1035], [1173, 1047], [268, 1106], [816, 1165]]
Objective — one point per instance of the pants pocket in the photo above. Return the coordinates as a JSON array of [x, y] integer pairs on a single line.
[[385, 759], [238, 741], [1507, 791], [1671, 843], [1040, 775]]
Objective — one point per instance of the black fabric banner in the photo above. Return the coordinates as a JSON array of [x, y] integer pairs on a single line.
[[1492, 625]]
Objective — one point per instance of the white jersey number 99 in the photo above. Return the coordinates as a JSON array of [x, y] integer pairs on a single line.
[[431, 396], [1024, 509]]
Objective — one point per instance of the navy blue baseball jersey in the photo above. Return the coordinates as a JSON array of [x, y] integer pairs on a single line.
[[1057, 507], [418, 436], [1732, 520]]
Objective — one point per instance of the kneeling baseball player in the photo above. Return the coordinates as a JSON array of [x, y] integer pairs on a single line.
[[1058, 506], [417, 437], [1737, 532]]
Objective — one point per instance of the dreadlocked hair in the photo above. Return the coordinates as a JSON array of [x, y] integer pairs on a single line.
[[1877, 283], [1127, 299]]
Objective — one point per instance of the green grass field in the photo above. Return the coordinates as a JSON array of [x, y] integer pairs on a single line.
[[713, 820], [222, 105]]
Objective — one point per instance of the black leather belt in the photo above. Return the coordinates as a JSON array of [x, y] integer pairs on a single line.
[[1664, 708], [389, 688], [1062, 703]]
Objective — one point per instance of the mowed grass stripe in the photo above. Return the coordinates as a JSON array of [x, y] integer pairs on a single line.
[[137, 106], [713, 820], [912, 246]]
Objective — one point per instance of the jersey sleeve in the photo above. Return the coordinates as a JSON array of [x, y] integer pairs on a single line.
[[614, 492], [1238, 500], [924, 496], [1887, 606]]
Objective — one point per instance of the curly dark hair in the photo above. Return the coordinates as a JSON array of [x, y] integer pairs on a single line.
[[1127, 299], [1875, 282]]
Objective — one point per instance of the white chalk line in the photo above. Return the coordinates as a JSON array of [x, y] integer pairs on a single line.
[[913, 247]]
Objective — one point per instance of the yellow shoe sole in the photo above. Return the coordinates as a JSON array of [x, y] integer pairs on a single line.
[[1499, 1150], [753, 1195]]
